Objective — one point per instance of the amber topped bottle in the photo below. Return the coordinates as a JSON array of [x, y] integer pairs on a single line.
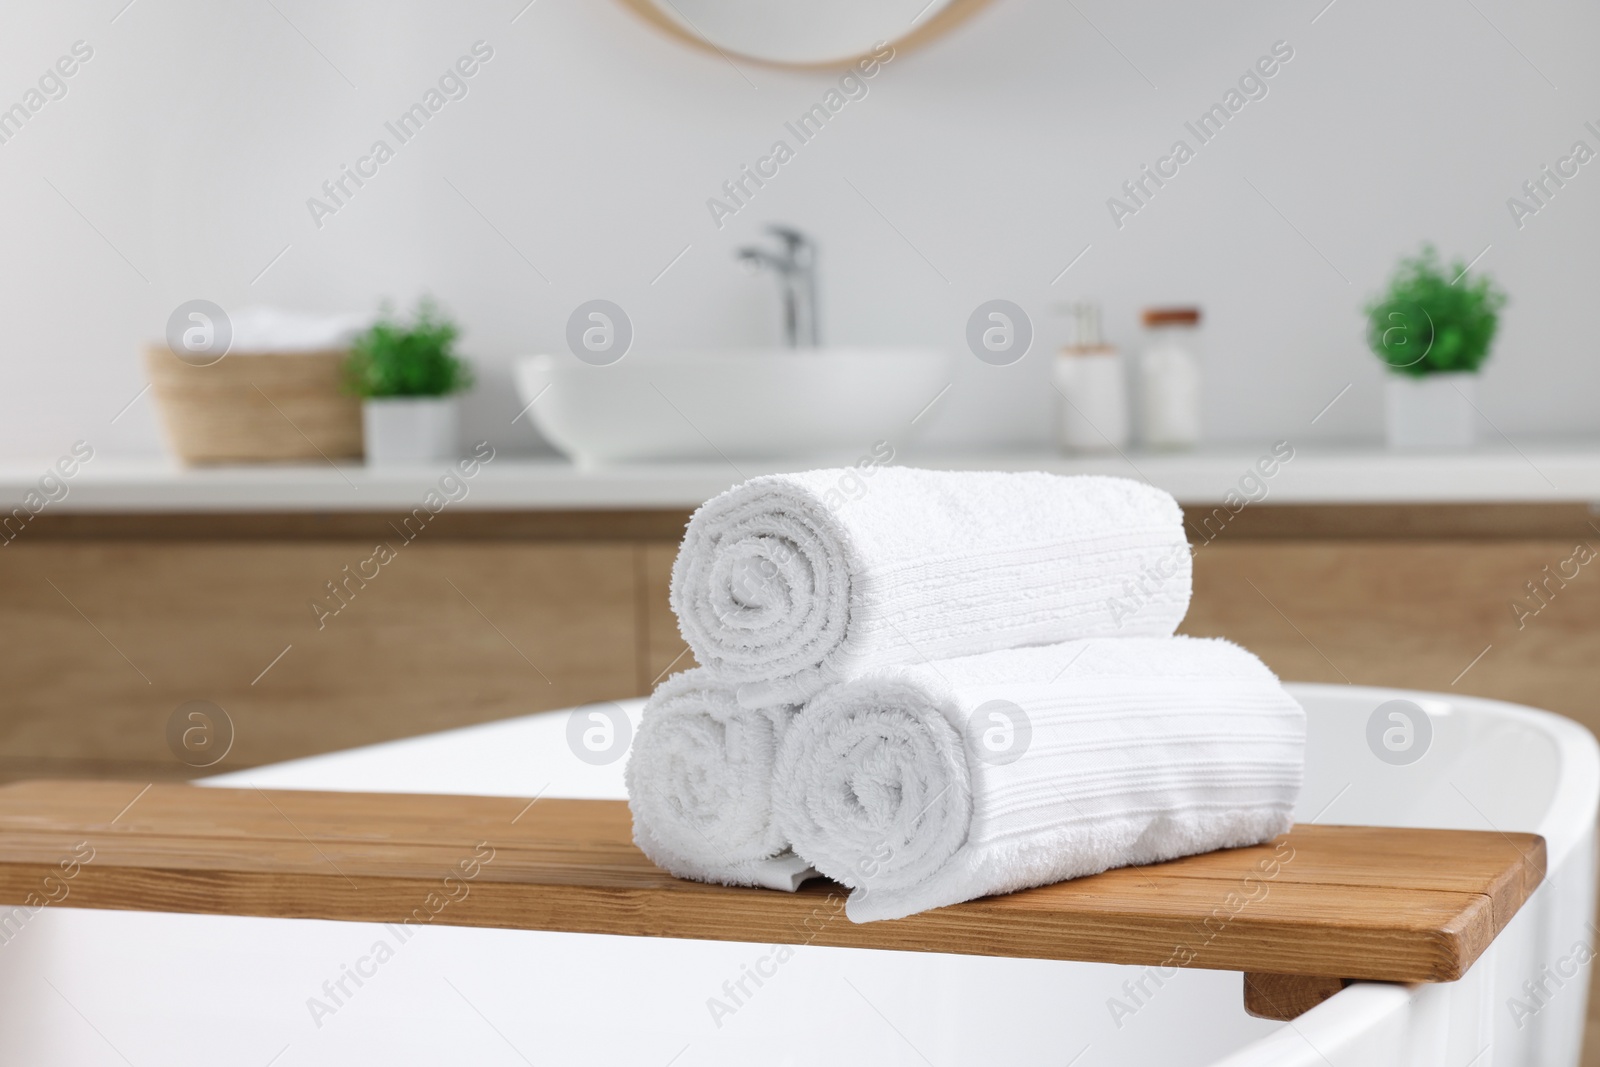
[[1168, 379]]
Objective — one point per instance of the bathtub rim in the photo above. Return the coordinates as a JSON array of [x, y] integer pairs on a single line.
[[1577, 787], [1363, 1006]]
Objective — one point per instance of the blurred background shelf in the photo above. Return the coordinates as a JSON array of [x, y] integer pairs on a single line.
[[150, 586], [1548, 472]]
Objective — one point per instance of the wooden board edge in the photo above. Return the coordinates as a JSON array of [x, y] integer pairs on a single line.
[[723, 915]]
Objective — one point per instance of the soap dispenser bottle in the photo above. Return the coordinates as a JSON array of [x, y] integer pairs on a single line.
[[1092, 386]]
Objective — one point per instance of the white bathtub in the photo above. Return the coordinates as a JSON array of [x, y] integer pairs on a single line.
[[86, 988]]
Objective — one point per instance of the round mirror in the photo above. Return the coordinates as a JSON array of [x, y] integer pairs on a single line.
[[803, 32]]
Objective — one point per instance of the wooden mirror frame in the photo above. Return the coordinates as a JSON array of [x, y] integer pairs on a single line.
[[946, 19]]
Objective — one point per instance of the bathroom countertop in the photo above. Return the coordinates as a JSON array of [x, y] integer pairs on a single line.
[[1321, 474]]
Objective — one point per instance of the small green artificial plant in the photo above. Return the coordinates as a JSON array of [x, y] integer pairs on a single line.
[[1431, 321], [396, 359]]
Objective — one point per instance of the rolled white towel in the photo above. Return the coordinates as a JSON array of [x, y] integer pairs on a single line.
[[785, 584], [700, 786], [922, 786]]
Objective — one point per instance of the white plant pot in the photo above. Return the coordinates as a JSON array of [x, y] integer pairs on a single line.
[[407, 429], [1435, 411]]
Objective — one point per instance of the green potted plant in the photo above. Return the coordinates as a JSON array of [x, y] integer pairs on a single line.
[[1433, 328], [407, 375]]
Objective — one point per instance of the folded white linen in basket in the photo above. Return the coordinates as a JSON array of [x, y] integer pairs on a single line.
[[700, 786], [922, 786], [784, 587]]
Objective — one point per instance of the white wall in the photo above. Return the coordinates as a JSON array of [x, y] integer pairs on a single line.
[[185, 150]]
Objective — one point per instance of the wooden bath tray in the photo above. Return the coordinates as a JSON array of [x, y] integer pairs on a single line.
[[1300, 916]]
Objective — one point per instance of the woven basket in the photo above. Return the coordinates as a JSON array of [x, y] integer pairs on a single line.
[[257, 408]]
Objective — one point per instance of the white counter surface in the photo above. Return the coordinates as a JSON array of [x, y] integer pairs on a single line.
[[1315, 475]]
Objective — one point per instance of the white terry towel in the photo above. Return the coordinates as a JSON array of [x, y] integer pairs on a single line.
[[784, 587], [928, 785], [700, 786]]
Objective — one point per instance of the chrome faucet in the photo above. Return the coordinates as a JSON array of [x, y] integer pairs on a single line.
[[796, 268]]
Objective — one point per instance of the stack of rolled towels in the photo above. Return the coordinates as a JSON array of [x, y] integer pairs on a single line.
[[952, 685]]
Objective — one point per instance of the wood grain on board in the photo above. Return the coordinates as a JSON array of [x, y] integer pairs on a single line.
[[1338, 902]]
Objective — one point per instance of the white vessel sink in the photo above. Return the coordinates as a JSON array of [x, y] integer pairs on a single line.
[[746, 403]]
